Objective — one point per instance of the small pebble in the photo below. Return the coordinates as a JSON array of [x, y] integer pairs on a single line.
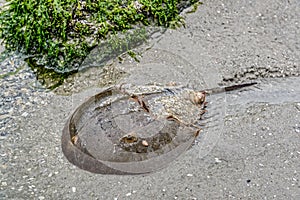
[[25, 114], [128, 194], [298, 106], [145, 143]]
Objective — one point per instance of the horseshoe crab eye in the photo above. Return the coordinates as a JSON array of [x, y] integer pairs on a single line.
[[129, 139]]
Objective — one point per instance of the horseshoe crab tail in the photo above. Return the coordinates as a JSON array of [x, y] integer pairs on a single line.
[[228, 88], [235, 87]]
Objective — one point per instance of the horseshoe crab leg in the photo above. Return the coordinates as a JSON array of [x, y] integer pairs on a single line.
[[141, 102], [171, 117]]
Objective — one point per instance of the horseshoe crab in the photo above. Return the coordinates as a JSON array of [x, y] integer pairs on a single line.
[[128, 129]]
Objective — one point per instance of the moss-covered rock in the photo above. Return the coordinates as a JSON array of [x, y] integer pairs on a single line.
[[59, 34]]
